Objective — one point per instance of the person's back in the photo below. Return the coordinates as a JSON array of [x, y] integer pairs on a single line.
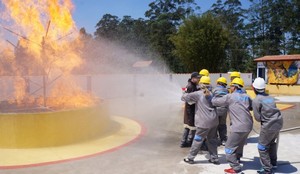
[[219, 91], [239, 106], [205, 115], [266, 112], [239, 111]]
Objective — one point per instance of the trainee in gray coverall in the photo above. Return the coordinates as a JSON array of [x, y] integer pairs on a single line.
[[220, 91], [266, 112], [206, 122], [239, 105]]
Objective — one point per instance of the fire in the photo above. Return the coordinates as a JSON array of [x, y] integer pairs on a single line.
[[47, 46], [73, 96]]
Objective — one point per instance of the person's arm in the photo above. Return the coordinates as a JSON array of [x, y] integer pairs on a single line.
[[191, 97], [250, 104], [189, 88], [256, 110], [221, 101]]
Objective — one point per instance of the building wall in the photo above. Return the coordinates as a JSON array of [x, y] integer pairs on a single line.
[[182, 78], [283, 72]]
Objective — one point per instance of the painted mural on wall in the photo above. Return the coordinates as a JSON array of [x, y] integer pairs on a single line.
[[283, 72]]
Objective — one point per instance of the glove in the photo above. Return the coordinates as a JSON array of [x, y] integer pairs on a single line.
[[206, 92], [201, 86]]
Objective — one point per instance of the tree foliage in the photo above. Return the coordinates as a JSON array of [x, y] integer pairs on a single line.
[[231, 14], [164, 18], [266, 27], [201, 42]]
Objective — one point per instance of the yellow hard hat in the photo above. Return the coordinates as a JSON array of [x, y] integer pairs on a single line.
[[238, 81], [205, 80], [235, 74], [222, 80], [204, 72]]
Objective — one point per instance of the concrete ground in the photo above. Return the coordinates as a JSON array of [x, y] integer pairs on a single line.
[[158, 152]]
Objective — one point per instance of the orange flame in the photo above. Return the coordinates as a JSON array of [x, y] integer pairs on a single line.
[[73, 97], [46, 47]]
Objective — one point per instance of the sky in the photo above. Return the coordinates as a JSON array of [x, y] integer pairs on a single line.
[[87, 13]]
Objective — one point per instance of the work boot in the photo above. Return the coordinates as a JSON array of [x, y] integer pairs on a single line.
[[232, 171], [262, 171], [238, 160], [189, 161], [214, 161], [185, 144], [274, 165], [184, 138], [223, 142]]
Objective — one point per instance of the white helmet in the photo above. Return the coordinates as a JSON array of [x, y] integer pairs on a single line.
[[259, 83]]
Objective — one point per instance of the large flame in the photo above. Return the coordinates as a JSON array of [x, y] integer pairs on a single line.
[[47, 46]]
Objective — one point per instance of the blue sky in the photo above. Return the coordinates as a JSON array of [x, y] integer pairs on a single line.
[[87, 13]]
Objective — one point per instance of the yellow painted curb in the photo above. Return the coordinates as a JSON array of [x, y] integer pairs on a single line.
[[123, 131]]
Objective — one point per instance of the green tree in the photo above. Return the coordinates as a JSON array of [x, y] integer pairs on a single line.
[[269, 26], [164, 18], [201, 43], [132, 34], [107, 27], [293, 27], [231, 14]]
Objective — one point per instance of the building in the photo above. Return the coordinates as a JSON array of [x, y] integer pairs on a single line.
[[281, 73]]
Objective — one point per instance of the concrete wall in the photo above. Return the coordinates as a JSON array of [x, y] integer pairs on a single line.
[[182, 78], [116, 85]]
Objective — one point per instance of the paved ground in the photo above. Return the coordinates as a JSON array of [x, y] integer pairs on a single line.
[[158, 152]]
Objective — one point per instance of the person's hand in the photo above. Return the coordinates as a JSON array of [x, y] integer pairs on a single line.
[[201, 86], [206, 92]]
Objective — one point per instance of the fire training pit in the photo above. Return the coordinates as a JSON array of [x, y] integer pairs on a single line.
[[46, 107], [45, 129]]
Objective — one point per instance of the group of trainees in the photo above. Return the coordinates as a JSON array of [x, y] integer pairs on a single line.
[[205, 116]]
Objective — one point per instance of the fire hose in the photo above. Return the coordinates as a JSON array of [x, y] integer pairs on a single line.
[[282, 130], [277, 140]]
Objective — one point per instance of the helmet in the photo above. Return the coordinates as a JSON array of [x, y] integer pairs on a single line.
[[235, 74], [222, 80], [259, 83], [238, 81], [204, 72], [205, 80]]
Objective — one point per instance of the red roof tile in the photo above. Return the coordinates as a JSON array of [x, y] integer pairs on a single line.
[[278, 57]]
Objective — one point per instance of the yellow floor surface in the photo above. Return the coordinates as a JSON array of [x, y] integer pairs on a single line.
[[280, 106], [127, 131]]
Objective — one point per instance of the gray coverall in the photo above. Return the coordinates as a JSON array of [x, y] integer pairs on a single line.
[[266, 112], [239, 105], [206, 122], [220, 91]]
